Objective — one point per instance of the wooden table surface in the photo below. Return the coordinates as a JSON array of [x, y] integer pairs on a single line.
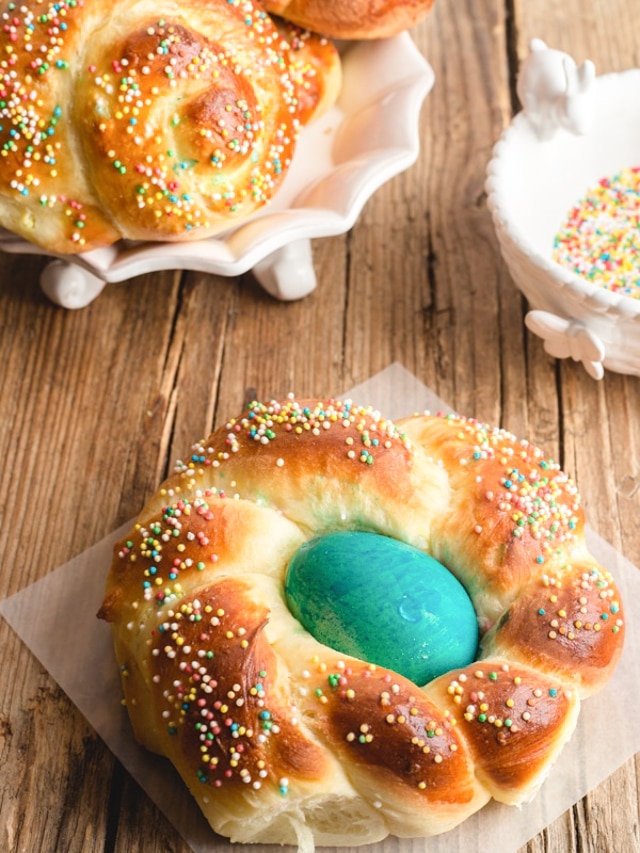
[[96, 404]]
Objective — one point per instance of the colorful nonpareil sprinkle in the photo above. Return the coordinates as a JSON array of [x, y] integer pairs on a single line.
[[537, 500], [262, 423], [600, 240]]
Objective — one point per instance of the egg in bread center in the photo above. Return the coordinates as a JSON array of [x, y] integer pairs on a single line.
[[372, 597]]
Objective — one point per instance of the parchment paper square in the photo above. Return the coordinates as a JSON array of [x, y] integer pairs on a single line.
[[82, 662]]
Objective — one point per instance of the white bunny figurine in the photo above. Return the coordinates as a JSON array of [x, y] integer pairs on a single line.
[[555, 92]]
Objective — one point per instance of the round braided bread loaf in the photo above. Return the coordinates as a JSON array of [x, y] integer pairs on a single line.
[[280, 737], [156, 120]]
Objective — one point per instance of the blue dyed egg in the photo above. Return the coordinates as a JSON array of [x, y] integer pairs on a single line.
[[380, 600]]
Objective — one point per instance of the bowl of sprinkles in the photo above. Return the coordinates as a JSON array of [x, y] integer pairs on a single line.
[[563, 189], [600, 239]]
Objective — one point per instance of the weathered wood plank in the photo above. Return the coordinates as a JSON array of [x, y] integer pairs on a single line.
[[96, 405], [594, 424]]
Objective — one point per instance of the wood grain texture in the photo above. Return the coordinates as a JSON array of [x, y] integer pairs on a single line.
[[97, 404]]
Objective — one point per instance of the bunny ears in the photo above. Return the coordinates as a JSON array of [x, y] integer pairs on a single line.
[[555, 92]]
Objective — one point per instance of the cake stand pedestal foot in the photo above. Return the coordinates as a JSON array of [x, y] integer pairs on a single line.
[[70, 285], [288, 273]]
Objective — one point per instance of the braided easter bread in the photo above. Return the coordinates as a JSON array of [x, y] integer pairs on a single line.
[[352, 19], [148, 119], [224, 600]]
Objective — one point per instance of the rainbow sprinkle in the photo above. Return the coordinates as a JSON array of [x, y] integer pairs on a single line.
[[600, 240], [263, 422], [540, 500]]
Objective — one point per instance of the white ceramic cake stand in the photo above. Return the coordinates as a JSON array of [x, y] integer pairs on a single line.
[[367, 138]]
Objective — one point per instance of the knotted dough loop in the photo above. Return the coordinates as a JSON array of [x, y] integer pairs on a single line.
[[148, 120], [282, 739]]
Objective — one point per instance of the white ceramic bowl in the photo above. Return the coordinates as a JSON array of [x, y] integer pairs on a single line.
[[532, 183], [367, 138]]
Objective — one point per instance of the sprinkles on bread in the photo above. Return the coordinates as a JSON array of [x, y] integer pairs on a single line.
[[283, 739]]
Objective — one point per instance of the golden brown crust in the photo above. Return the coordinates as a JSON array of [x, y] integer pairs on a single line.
[[513, 510], [384, 723], [226, 713], [314, 67], [168, 555], [174, 121], [352, 19], [514, 719], [566, 624], [196, 600], [314, 461]]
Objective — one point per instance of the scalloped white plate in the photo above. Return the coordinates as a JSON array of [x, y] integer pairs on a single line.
[[367, 138]]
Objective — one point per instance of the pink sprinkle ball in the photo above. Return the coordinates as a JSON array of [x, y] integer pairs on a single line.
[[600, 239]]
